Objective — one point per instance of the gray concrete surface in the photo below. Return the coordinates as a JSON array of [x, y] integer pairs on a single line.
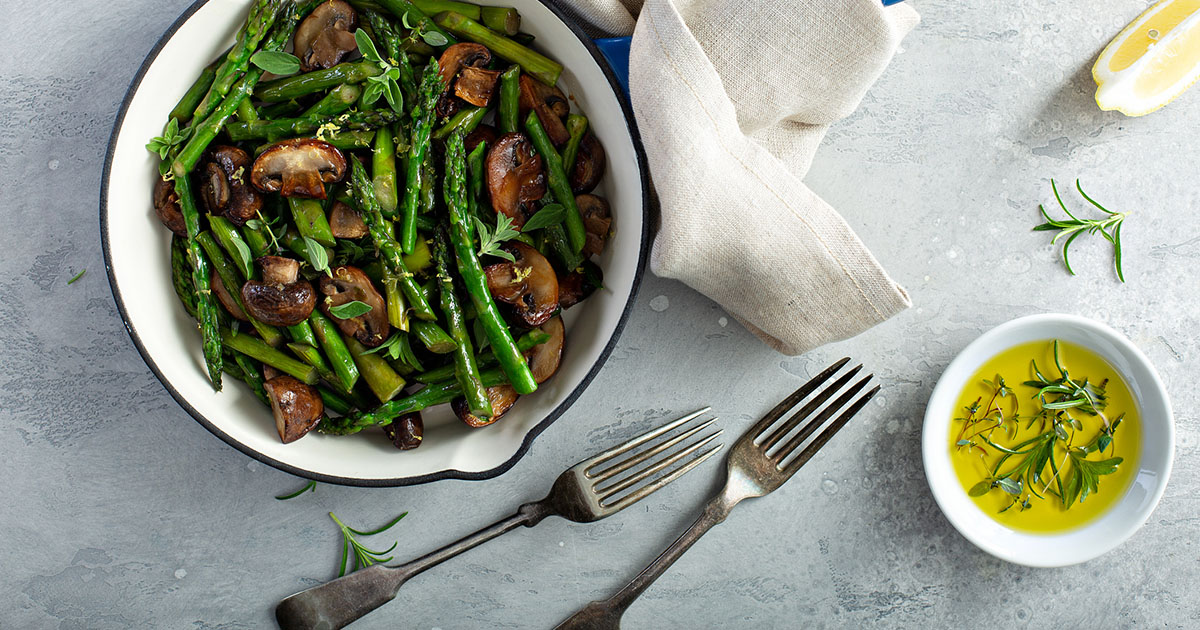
[[119, 511]]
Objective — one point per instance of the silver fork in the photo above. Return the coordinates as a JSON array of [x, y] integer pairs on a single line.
[[759, 462], [588, 491]]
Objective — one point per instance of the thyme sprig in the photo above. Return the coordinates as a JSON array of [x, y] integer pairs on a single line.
[[1072, 228]]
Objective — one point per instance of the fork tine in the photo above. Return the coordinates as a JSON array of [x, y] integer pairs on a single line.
[[642, 439], [829, 431], [795, 397], [650, 471], [777, 435], [649, 489], [626, 464]]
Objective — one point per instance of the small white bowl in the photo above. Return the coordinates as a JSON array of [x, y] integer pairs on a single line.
[[1110, 529]]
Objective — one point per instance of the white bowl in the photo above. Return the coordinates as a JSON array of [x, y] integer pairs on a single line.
[[136, 249], [1110, 529]]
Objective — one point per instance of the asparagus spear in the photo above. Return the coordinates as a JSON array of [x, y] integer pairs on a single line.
[[535, 64], [259, 351], [181, 275], [467, 120], [433, 337], [312, 356], [380, 377], [187, 104], [350, 140], [310, 220], [556, 181], [510, 97], [504, 20], [263, 14], [206, 305], [383, 170], [229, 237], [577, 126], [511, 360], [422, 117], [389, 250], [289, 88], [340, 359], [430, 396], [229, 277], [465, 369], [397, 306], [417, 17], [475, 183], [338, 100], [244, 370], [284, 127]]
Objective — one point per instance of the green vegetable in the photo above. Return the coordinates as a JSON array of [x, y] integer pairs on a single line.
[[577, 126], [76, 277], [509, 117], [466, 119], [363, 557], [465, 368], [551, 214], [527, 342], [504, 20], [424, 27], [322, 127], [397, 307], [422, 117], [437, 394], [511, 360], [181, 275], [206, 305], [231, 240], [557, 182], [310, 220], [259, 351], [187, 104], [316, 81], [338, 100], [233, 285], [380, 377], [340, 359], [383, 169], [312, 356], [433, 337], [1109, 228], [263, 14], [533, 63]]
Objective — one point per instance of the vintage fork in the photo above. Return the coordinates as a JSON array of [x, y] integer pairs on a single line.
[[757, 464], [591, 490]]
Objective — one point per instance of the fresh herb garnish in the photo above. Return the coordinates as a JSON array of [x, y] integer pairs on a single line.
[[490, 242], [276, 62], [317, 255], [1109, 228], [350, 310], [77, 276], [385, 84], [551, 214], [262, 224], [171, 138], [309, 487], [363, 557], [433, 38], [1050, 462], [398, 348]]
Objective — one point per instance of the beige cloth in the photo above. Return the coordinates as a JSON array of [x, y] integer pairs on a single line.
[[732, 98]]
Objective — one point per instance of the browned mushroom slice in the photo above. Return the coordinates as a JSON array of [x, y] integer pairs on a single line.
[[502, 398], [529, 284], [166, 206], [297, 407], [573, 288], [459, 56], [350, 284], [406, 432], [550, 104], [223, 188], [589, 165], [514, 175], [596, 220], [344, 222], [298, 168], [281, 298], [482, 133], [226, 299], [544, 358], [476, 85], [326, 36], [269, 372]]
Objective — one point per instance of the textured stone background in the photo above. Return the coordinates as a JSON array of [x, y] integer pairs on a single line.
[[120, 511]]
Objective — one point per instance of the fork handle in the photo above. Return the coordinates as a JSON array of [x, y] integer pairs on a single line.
[[606, 614], [339, 602]]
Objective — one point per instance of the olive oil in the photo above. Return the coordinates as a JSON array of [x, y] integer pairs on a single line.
[[976, 463]]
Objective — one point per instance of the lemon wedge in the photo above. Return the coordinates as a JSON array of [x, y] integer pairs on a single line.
[[1152, 61]]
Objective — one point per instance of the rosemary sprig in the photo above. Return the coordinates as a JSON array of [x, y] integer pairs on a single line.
[[309, 487], [363, 557], [1108, 227]]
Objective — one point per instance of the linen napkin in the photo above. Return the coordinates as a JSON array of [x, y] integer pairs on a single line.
[[732, 99]]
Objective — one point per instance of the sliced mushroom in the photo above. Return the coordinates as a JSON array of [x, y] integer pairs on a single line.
[[529, 284], [281, 298], [344, 222], [476, 85], [326, 36], [596, 220], [544, 358], [482, 133], [297, 407], [298, 168], [514, 175], [573, 288], [452, 61], [350, 284], [269, 372], [223, 188], [226, 298], [166, 206], [589, 165], [502, 398], [406, 432], [550, 104]]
